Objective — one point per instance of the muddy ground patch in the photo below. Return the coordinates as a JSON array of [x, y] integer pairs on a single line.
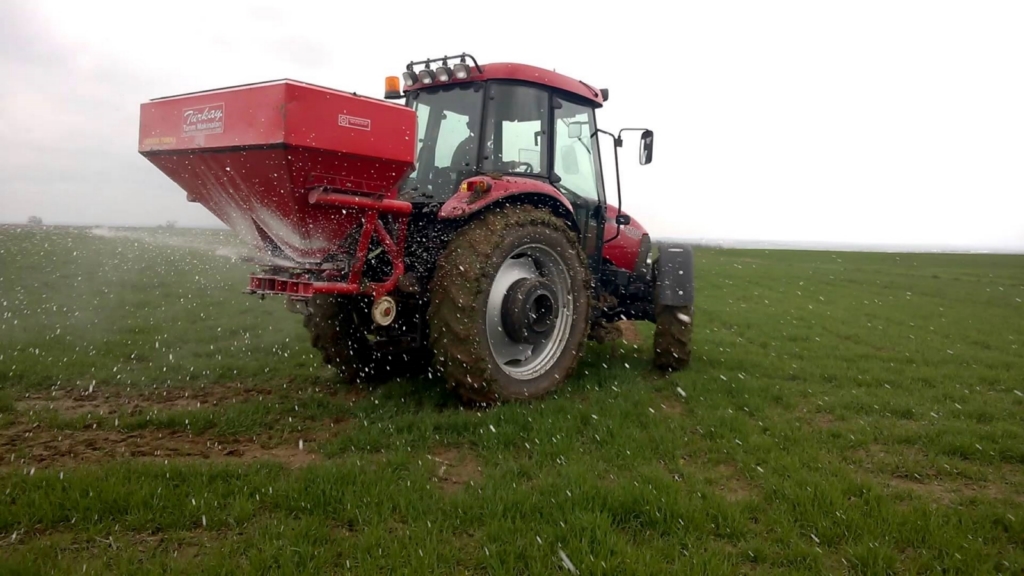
[[70, 427], [31, 447], [457, 468], [105, 401]]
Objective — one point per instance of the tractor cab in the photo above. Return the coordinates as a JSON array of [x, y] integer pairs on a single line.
[[507, 119], [522, 123]]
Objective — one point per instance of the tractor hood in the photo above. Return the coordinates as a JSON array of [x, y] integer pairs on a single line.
[[624, 250], [251, 154]]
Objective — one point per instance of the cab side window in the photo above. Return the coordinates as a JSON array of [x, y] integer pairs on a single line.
[[575, 154]]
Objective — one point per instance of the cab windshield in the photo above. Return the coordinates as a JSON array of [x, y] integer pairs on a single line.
[[450, 121]]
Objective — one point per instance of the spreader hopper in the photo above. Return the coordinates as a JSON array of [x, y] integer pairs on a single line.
[[291, 167]]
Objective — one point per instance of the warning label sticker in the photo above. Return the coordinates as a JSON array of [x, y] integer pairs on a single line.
[[353, 122]]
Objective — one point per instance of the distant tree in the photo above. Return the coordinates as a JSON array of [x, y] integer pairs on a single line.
[[35, 221]]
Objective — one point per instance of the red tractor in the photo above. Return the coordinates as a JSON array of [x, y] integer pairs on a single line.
[[467, 230]]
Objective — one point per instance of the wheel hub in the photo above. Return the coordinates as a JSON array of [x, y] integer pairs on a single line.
[[530, 310]]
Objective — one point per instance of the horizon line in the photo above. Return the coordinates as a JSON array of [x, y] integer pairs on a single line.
[[725, 243]]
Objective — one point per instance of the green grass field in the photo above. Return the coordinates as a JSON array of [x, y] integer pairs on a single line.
[[846, 413]]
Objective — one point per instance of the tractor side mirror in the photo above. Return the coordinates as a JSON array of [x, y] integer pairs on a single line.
[[567, 158], [646, 147], [622, 219], [575, 130]]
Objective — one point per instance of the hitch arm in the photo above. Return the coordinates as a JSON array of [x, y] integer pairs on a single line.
[[372, 225]]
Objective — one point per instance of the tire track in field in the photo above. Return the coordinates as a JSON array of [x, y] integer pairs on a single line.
[[29, 442]]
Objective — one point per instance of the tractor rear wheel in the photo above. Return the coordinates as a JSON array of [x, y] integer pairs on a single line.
[[510, 305], [335, 331], [673, 330]]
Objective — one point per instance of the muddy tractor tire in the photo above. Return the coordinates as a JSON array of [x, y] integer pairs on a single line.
[[673, 331], [334, 332], [510, 306], [673, 306]]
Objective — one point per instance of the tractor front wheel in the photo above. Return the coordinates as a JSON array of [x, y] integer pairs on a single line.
[[673, 330], [510, 305]]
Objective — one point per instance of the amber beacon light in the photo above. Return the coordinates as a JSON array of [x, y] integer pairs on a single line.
[[392, 87]]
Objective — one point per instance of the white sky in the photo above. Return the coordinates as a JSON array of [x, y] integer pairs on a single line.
[[870, 121]]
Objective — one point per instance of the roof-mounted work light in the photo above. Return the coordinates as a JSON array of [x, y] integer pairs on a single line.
[[460, 71], [443, 73]]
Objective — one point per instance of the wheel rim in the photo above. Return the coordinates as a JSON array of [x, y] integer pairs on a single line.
[[527, 361]]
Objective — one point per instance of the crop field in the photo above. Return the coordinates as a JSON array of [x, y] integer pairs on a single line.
[[845, 413]]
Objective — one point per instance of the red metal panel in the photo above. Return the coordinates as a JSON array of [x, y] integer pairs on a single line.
[[356, 125], [249, 115], [624, 250]]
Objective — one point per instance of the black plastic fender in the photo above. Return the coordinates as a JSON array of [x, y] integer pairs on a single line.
[[673, 284]]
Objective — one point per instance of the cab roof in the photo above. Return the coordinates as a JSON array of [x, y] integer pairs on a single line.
[[526, 73]]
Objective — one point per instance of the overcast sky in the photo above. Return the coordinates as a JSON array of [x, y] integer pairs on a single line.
[[871, 121]]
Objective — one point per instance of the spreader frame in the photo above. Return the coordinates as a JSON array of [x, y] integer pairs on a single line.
[[300, 286]]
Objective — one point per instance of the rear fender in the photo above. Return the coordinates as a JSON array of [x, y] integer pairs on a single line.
[[503, 191], [674, 275]]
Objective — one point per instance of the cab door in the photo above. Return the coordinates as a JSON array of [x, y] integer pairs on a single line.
[[576, 172]]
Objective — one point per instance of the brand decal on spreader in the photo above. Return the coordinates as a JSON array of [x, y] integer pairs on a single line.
[[203, 120], [353, 122]]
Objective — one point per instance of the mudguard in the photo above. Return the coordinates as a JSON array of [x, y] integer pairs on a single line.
[[467, 201], [674, 275]]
